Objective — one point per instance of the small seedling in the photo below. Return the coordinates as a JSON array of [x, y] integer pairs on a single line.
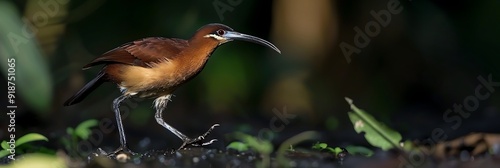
[[352, 150], [19, 145], [263, 147], [324, 146], [74, 135], [83, 129]]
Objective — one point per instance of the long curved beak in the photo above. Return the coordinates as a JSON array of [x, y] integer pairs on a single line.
[[232, 35]]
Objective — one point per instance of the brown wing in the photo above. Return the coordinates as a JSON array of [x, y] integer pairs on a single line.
[[142, 52]]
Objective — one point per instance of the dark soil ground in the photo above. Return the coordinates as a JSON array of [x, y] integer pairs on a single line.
[[473, 150], [202, 157], [460, 152]]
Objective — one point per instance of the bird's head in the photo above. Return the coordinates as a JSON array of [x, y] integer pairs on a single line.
[[222, 34]]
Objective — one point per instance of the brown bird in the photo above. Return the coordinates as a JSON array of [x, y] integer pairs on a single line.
[[154, 67]]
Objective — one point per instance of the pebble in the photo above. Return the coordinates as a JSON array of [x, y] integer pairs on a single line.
[[196, 159], [122, 157]]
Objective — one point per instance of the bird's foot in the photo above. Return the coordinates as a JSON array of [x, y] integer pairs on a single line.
[[123, 153], [198, 141], [123, 149]]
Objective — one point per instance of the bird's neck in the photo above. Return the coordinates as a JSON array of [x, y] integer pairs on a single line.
[[200, 48], [196, 56]]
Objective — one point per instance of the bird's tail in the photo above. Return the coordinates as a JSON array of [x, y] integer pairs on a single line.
[[85, 91]]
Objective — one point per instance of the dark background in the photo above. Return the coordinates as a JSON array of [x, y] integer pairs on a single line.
[[428, 57]]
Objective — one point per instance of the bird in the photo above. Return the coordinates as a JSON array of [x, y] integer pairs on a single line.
[[154, 67]]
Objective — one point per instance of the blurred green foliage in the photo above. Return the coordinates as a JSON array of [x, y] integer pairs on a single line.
[[39, 160], [75, 135], [238, 146], [33, 80]]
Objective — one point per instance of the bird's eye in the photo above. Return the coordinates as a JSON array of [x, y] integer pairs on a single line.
[[220, 32]]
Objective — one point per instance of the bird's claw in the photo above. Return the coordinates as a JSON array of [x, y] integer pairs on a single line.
[[197, 141], [204, 143]]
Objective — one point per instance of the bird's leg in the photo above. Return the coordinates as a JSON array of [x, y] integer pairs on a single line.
[[161, 104], [123, 141]]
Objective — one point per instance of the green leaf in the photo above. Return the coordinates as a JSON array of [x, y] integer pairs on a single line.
[[33, 81], [335, 150], [4, 153], [239, 146], [324, 146], [319, 146], [83, 129], [30, 138], [359, 150], [5, 145], [376, 133]]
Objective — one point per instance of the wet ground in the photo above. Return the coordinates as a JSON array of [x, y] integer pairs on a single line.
[[202, 157]]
